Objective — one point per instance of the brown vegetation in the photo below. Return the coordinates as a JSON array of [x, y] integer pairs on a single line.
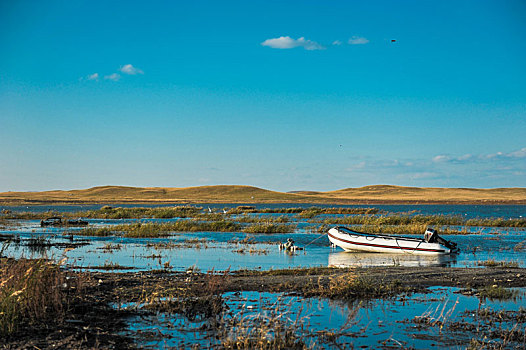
[[248, 194]]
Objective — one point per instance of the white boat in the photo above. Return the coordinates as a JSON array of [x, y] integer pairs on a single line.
[[351, 240]]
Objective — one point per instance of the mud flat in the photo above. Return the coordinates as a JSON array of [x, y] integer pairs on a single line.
[[98, 320]]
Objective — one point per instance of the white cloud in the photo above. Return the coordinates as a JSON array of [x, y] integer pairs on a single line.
[[494, 155], [286, 42], [336, 42], [130, 70], [518, 154], [358, 40], [521, 153], [484, 158], [94, 76], [465, 157], [113, 77], [440, 158]]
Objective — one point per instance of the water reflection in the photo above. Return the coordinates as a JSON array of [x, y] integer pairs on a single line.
[[440, 319], [352, 259]]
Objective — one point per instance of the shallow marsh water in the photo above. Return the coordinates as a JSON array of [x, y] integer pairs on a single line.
[[322, 323], [468, 211], [217, 251]]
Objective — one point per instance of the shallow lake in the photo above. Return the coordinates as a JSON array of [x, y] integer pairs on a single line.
[[219, 251]]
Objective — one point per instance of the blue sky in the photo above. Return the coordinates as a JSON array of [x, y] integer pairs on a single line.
[[284, 95]]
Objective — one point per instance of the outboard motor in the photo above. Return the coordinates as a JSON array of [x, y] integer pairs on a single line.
[[431, 236]]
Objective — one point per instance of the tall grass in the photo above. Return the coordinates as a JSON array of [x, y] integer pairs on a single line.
[[304, 212], [496, 293], [271, 330], [149, 230], [357, 216], [412, 229], [423, 220], [495, 263], [350, 286], [107, 212], [31, 292], [196, 301]]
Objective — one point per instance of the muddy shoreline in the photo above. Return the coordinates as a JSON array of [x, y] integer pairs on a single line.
[[294, 280], [93, 323]]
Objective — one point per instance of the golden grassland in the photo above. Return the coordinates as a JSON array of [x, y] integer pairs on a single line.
[[378, 194]]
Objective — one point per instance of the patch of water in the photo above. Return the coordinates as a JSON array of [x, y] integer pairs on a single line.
[[442, 318], [463, 210], [218, 253], [216, 250]]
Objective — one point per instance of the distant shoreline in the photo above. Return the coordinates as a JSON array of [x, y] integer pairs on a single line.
[[231, 194]]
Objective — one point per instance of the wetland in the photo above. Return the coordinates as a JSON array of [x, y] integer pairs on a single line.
[[212, 276]]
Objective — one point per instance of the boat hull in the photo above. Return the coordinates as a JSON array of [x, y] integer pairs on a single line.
[[367, 242]]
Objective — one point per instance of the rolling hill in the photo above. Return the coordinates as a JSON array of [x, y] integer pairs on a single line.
[[247, 194]]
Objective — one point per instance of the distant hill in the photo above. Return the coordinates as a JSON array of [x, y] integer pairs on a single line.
[[247, 194], [431, 194]]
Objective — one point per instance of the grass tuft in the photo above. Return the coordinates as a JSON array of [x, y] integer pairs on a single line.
[[31, 292], [494, 263], [496, 293]]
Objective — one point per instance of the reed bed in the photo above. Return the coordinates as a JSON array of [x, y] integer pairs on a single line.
[[28, 215], [496, 293], [351, 286], [303, 211], [108, 212], [495, 263], [153, 230], [262, 331], [428, 220], [32, 291], [356, 216], [414, 229]]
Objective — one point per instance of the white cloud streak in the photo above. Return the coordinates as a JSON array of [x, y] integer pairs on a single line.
[[94, 76], [518, 154], [113, 77], [441, 158], [130, 70], [358, 40], [469, 158], [286, 42]]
